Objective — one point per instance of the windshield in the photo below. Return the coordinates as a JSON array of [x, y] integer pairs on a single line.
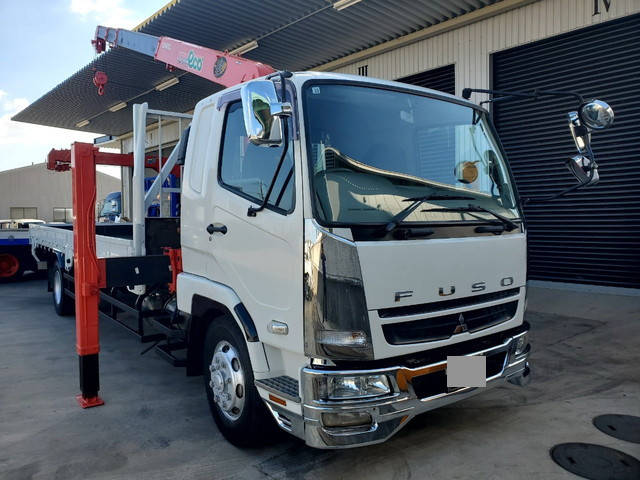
[[373, 151]]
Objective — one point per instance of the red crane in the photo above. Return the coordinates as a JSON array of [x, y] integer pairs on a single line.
[[90, 272], [214, 65]]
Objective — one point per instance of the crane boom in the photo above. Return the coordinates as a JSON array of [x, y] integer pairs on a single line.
[[214, 65]]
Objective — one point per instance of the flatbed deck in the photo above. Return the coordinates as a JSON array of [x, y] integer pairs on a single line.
[[112, 240]]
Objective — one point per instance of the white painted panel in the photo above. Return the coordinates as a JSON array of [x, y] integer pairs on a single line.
[[424, 267]]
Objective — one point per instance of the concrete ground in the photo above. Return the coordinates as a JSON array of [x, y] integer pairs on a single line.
[[156, 423]]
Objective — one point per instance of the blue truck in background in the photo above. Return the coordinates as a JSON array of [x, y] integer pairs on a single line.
[[111, 210], [15, 248]]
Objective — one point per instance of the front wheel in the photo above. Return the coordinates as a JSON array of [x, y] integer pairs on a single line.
[[235, 404], [62, 303]]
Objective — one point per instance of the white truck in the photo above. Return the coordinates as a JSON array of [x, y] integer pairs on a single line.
[[341, 238]]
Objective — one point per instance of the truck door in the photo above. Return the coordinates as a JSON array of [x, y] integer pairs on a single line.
[[260, 257]]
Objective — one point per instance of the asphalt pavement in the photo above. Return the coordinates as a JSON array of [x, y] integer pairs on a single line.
[[156, 423]]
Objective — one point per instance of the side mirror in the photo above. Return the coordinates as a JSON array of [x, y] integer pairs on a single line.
[[262, 111], [593, 115], [584, 169], [596, 115], [581, 134]]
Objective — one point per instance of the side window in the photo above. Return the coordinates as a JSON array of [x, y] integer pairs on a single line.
[[248, 169]]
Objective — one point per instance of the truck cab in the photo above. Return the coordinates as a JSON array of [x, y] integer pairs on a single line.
[[354, 239], [111, 208]]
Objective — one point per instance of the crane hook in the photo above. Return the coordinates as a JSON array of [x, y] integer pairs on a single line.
[[100, 80]]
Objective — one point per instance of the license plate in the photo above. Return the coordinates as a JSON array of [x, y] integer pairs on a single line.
[[466, 371]]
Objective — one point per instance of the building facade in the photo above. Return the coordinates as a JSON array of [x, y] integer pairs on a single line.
[[587, 46], [35, 192]]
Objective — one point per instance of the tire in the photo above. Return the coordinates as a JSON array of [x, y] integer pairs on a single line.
[[62, 303], [11, 268], [244, 420]]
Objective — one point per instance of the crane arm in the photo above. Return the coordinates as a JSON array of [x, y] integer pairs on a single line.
[[214, 65]]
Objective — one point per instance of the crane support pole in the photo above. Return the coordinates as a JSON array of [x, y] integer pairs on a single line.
[[137, 201], [87, 272], [90, 272]]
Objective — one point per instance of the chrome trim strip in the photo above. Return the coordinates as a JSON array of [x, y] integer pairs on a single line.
[[442, 313]]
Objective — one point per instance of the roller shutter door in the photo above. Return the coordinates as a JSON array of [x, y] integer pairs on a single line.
[[443, 79], [592, 236]]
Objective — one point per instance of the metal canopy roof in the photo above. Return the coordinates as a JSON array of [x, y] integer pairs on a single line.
[[292, 34]]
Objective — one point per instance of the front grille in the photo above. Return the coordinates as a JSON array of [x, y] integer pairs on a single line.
[[436, 383], [446, 304], [444, 326]]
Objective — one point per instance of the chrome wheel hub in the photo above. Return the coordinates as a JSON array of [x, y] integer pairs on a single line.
[[227, 380], [57, 286]]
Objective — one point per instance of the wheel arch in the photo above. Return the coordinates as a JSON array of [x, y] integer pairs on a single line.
[[205, 301]]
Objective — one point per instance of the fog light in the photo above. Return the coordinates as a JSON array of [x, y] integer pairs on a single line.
[[344, 419], [521, 343], [357, 386]]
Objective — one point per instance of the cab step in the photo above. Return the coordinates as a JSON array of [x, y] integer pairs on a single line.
[[166, 351], [283, 386]]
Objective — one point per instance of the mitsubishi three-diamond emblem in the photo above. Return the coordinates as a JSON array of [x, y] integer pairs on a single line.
[[462, 327]]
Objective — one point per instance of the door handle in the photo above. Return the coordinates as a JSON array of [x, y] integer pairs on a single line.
[[211, 229]]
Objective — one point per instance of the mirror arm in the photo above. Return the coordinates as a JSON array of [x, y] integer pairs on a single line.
[[527, 200], [562, 193], [251, 212]]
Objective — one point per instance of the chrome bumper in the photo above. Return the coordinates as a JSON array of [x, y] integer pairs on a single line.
[[390, 413]]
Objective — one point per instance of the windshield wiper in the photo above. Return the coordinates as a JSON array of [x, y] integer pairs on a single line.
[[398, 218], [507, 222]]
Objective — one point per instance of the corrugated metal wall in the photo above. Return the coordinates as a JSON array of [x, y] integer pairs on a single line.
[[469, 47], [442, 78], [591, 236]]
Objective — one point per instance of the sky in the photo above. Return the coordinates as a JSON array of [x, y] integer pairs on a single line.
[[42, 43]]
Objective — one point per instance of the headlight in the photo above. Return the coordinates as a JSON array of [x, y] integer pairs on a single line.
[[354, 387], [521, 343], [345, 344]]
